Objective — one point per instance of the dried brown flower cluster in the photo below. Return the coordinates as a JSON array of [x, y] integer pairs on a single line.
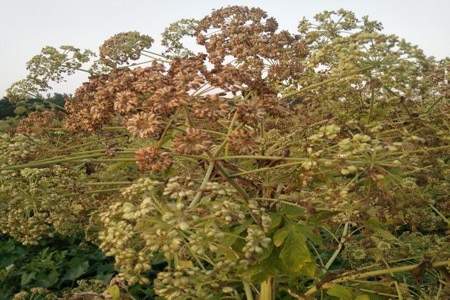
[[194, 141], [210, 107], [186, 84], [153, 159], [37, 122], [243, 141], [245, 48], [144, 125]]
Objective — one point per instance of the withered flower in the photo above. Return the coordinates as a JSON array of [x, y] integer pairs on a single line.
[[144, 125], [210, 107], [243, 141], [194, 141], [250, 112], [153, 159], [36, 122], [126, 102]]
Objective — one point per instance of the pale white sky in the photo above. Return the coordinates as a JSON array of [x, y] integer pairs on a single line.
[[28, 25]]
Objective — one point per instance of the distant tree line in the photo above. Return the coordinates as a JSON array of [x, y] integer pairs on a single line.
[[19, 109]]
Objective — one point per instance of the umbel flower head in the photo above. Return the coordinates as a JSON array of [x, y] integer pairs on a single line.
[[123, 47], [153, 159], [194, 141], [145, 125]]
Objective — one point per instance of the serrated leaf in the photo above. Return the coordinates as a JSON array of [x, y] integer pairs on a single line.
[[27, 278], [227, 252], [47, 279], [230, 239], [322, 215], [309, 269], [264, 269]]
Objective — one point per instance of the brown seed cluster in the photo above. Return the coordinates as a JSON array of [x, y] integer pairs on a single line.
[[243, 141], [36, 122], [210, 107], [246, 57], [194, 141], [153, 159], [144, 125], [249, 37], [245, 49]]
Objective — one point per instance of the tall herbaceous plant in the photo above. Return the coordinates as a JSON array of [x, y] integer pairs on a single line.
[[259, 164]]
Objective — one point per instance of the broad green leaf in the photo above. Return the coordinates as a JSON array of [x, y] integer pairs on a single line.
[[362, 297], [308, 233], [27, 277], [276, 220], [264, 269], [295, 255], [77, 266], [280, 235], [309, 269], [230, 239], [47, 279], [291, 210], [321, 215], [340, 292], [104, 272], [227, 252]]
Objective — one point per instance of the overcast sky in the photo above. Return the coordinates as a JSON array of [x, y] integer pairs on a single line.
[[28, 25]]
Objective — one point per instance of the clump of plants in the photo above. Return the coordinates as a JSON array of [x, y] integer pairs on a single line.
[[262, 164]]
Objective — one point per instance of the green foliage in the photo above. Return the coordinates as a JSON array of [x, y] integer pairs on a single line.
[[22, 108], [55, 264]]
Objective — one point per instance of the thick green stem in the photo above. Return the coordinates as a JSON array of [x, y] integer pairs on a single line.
[[51, 162], [372, 103], [333, 79], [230, 180], [203, 184], [248, 291], [339, 248], [439, 214], [265, 169], [350, 277], [267, 292], [109, 183], [69, 155]]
